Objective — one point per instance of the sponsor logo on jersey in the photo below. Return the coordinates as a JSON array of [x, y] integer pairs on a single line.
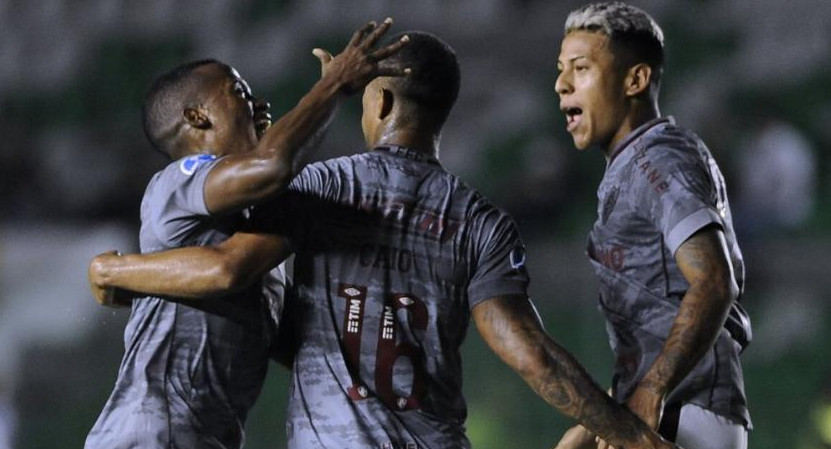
[[609, 204], [189, 164], [612, 257], [655, 177], [517, 258]]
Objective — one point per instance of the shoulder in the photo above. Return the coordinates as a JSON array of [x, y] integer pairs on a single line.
[[320, 173], [186, 168], [666, 153], [672, 146]]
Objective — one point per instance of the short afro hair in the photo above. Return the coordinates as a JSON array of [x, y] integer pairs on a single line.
[[165, 101], [433, 82]]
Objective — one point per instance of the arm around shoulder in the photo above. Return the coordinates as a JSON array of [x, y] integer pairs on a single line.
[[192, 272]]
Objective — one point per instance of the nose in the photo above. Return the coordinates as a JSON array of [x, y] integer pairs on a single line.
[[563, 84]]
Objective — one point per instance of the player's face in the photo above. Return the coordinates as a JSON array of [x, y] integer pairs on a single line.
[[238, 118], [591, 90]]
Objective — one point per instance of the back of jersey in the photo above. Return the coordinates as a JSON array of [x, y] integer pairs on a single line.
[[391, 254]]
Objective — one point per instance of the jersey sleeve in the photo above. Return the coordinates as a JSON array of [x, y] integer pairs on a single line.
[[679, 193], [178, 198], [500, 265]]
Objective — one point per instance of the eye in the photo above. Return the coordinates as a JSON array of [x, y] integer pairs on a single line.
[[240, 90], [581, 68]]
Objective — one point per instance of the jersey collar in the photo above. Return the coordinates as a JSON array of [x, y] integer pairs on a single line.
[[407, 153], [637, 132]]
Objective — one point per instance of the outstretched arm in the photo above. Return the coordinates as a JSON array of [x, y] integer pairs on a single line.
[[705, 262], [192, 272], [512, 328], [241, 180]]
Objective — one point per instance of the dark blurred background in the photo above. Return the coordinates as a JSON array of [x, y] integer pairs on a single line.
[[752, 78]]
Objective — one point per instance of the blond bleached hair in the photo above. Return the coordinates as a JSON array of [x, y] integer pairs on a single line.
[[629, 29]]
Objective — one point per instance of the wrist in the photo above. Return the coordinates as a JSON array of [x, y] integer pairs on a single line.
[[334, 84], [653, 388], [101, 269]]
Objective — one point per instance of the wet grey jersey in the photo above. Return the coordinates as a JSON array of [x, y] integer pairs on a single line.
[[191, 370], [391, 254], [661, 186]]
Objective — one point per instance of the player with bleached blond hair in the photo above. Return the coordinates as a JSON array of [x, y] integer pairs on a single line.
[[663, 245], [394, 258]]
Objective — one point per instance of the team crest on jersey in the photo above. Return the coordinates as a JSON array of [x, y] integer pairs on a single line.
[[609, 204], [189, 164], [517, 258]]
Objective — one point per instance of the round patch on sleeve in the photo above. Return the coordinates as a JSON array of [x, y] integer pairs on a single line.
[[517, 257], [189, 164]]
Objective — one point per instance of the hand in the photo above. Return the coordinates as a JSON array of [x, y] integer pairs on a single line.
[[359, 63], [653, 441], [647, 404], [577, 437], [105, 295]]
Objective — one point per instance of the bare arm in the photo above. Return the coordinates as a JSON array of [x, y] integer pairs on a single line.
[[512, 329], [705, 263], [241, 180], [191, 272]]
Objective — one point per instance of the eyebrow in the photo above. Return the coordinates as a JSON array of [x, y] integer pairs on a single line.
[[574, 58]]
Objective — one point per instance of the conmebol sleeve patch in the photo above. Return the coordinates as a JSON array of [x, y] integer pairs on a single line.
[[189, 164]]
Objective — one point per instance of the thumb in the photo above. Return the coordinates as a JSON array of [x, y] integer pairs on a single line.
[[323, 55]]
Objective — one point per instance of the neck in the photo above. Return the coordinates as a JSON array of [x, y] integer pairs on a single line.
[[412, 138], [638, 115]]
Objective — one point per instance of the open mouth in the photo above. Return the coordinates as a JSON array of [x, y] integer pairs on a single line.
[[573, 115], [262, 120]]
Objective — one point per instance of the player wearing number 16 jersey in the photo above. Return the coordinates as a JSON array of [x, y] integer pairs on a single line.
[[394, 255], [392, 252]]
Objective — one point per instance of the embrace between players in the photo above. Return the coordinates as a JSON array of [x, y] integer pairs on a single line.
[[394, 256]]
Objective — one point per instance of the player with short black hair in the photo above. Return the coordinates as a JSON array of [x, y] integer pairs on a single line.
[[192, 370], [663, 246], [393, 257]]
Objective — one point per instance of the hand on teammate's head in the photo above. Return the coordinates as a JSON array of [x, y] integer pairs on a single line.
[[361, 61]]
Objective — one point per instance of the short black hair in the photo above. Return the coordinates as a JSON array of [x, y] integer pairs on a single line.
[[433, 83], [165, 100]]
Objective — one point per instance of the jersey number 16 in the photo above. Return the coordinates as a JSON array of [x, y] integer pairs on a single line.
[[388, 351]]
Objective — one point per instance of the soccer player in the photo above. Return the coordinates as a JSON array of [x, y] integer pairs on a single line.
[[663, 245], [393, 257], [192, 370]]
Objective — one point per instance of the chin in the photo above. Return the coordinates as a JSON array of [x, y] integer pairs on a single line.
[[580, 144]]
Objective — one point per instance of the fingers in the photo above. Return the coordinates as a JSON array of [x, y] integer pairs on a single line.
[[358, 36], [393, 70], [323, 55], [383, 53], [603, 445], [376, 34]]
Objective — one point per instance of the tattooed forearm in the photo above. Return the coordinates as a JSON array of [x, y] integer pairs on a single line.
[[705, 264], [512, 330]]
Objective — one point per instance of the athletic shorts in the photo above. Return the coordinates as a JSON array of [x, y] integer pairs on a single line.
[[693, 427]]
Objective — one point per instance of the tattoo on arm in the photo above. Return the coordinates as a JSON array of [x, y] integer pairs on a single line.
[[511, 328], [705, 263]]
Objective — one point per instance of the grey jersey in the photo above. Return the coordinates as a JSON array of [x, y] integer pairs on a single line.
[[661, 186], [392, 252], [191, 370]]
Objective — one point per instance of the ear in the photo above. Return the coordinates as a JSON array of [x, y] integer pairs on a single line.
[[387, 100], [196, 118], [637, 79]]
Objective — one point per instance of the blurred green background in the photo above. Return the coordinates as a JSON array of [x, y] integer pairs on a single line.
[[752, 78]]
